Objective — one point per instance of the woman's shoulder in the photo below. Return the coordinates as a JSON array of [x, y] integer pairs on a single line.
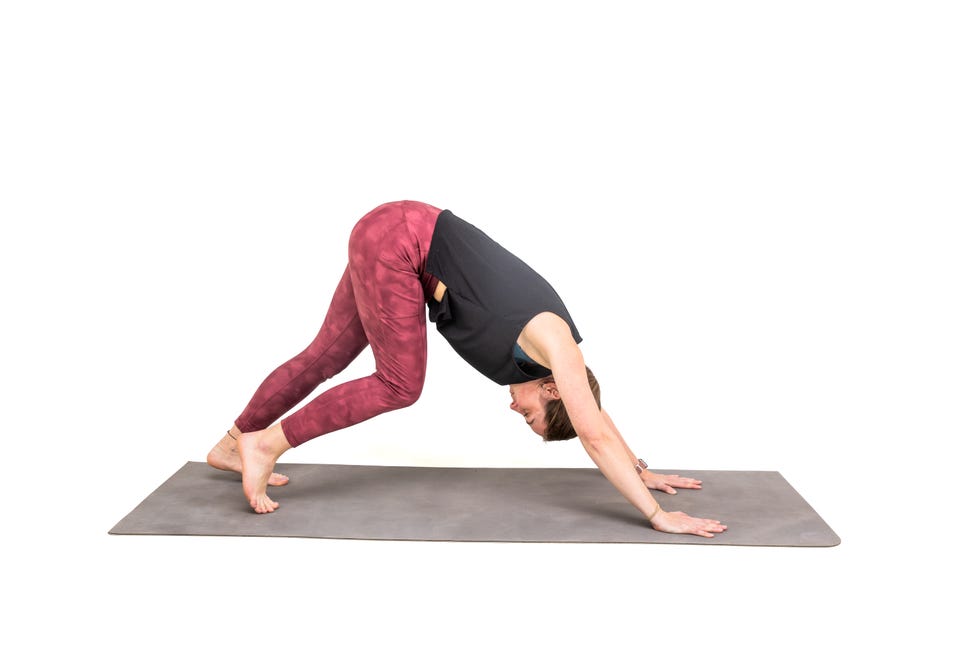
[[546, 334]]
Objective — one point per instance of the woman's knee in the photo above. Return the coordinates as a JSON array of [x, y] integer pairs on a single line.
[[403, 394]]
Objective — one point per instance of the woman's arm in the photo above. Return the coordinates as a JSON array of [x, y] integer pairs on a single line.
[[654, 481], [549, 336]]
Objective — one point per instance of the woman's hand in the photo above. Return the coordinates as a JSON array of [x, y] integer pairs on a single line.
[[679, 522], [667, 482]]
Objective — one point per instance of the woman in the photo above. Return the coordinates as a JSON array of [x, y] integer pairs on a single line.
[[495, 311]]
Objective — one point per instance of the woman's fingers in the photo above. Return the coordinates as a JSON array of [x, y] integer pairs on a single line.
[[665, 482], [684, 482], [708, 527], [684, 523]]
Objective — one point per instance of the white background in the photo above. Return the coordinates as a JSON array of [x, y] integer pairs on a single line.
[[761, 215]]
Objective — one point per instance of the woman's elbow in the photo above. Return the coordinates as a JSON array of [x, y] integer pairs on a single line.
[[595, 443]]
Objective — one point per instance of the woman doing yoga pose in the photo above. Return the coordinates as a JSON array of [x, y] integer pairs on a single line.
[[495, 311]]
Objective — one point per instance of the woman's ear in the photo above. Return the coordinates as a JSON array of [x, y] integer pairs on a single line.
[[550, 389]]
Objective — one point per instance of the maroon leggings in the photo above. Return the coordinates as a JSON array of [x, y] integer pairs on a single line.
[[380, 301]]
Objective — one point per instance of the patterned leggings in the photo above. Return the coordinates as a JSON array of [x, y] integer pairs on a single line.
[[380, 301]]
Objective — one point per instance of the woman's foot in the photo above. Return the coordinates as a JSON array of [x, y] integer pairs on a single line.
[[224, 456], [259, 452]]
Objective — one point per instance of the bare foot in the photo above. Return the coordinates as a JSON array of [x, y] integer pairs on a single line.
[[224, 456], [259, 451]]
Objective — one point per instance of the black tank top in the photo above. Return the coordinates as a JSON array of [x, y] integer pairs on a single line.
[[490, 296]]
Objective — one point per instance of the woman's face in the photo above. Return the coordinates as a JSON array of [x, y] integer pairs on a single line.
[[529, 400]]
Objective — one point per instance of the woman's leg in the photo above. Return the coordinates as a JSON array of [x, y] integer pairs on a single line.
[[387, 260], [339, 340]]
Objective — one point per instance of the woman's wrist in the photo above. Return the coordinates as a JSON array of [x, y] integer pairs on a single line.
[[653, 514]]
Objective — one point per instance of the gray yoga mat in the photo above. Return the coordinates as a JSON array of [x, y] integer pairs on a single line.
[[472, 505]]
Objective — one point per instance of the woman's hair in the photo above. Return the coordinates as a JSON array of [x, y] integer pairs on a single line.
[[559, 427]]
